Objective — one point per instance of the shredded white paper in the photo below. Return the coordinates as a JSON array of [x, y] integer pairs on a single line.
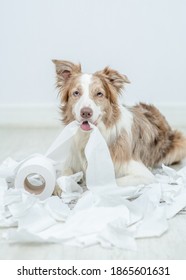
[[104, 214]]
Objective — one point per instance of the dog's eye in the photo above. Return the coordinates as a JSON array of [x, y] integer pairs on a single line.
[[99, 94], [76, 93]]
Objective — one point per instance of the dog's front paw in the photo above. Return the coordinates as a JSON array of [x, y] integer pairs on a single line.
[[57, 191]]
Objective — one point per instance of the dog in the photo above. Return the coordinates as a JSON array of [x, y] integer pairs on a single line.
[[138, 137]]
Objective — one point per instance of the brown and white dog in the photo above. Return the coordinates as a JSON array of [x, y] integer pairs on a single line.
[[138, 137]]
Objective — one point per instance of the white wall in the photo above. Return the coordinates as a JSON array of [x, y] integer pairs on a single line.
[[145, 39]]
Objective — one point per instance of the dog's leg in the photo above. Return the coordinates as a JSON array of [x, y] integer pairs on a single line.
[[57, 191], [136, 174]]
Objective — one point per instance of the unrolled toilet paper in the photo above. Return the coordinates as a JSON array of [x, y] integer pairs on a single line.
[[104, 214], [38, 176]]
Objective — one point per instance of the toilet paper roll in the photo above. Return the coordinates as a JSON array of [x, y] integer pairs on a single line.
[[37, 176]]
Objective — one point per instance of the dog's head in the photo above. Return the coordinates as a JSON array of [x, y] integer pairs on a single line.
[[89, 98]]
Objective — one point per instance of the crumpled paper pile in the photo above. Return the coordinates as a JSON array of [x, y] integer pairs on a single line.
[[104, 213]]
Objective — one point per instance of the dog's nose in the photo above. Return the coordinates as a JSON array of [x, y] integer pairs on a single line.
[[86, 112]]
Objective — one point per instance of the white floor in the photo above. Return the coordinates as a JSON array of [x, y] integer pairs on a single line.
[[20, 142]]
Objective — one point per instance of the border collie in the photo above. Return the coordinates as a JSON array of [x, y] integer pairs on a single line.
[[138, 137]]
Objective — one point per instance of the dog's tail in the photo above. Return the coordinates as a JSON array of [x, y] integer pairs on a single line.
[[177, 151]]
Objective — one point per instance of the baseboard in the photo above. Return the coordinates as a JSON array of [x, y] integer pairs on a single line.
[[39, 115], [48, 115]]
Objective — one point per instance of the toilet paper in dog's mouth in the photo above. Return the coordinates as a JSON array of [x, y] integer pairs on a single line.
[[103, 214], [85, 126]]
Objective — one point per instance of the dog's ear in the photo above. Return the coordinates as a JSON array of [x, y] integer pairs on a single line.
[[114, 77], [64, 69]]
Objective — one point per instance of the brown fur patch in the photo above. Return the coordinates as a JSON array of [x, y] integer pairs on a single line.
[[110, 106], [67, 103], [114, 78], [154, 141], [121, 152], [67, 74]]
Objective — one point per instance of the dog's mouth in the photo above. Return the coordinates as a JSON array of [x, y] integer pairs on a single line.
[[85, 126]]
